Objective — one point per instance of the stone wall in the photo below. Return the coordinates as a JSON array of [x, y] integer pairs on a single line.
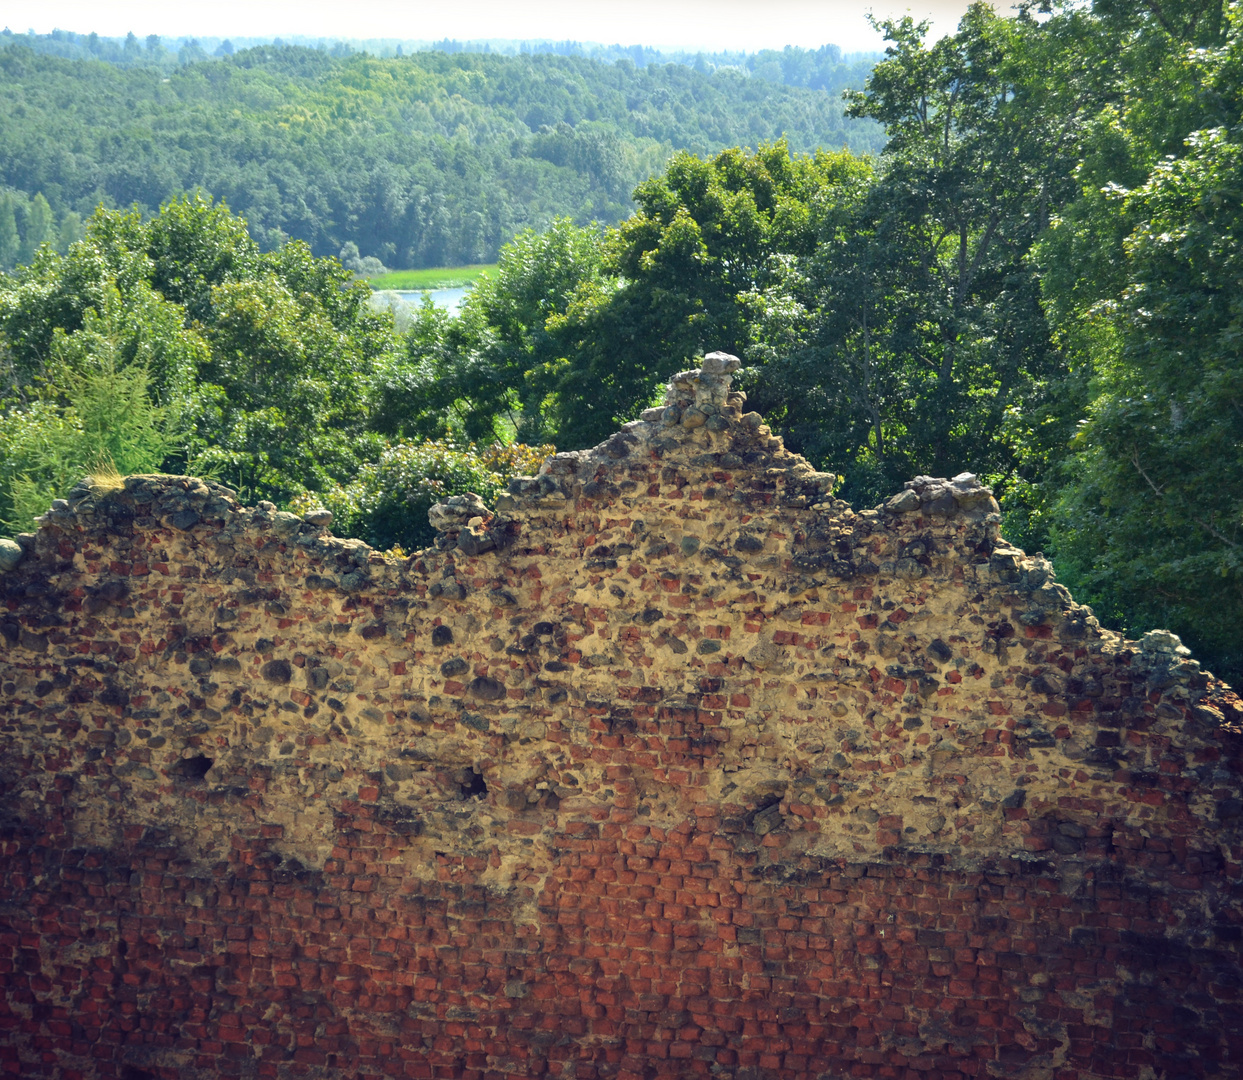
[[669, 765]]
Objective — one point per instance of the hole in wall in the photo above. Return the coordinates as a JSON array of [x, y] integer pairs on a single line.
[[474, 786], [130, 1072], [194, 768]]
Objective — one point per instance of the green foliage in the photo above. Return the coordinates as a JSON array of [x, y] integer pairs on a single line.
[[26, 223], [10, 242], [823, 69], [1151, 523], [40, 458], [96, 406], [927, 313], [53, 292], [578, 329], [501, 365], [108, 392], [671, 287], [387, 503], [427, 160], [1140, 497], [260, 364], [71, 230], [39, 227], [194, 247], [287, 391]]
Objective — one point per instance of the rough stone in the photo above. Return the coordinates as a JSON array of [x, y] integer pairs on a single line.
[[903, 502], [10, 555], [456, 511], [720, 363], [442, 635]]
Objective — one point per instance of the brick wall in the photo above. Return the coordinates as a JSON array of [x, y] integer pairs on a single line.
[[669, 765]]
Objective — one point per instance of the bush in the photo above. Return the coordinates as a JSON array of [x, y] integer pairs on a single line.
[[387, 503], [95, 409]]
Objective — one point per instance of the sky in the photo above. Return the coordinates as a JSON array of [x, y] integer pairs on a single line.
[[712, 25]]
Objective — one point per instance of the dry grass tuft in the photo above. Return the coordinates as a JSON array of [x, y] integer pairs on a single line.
[[103, 477]]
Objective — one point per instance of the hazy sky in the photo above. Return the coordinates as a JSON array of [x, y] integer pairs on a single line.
[[707, 24]]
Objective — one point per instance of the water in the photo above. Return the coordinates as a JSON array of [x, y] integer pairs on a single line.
[[405, 303], [449, 299]]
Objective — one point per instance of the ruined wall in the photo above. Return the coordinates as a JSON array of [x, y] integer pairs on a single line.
[[671, 765]]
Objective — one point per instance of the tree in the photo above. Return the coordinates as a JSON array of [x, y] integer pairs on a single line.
[[1137, 270], [70, 232], [909, 333], [195, 245], [10, 244], [96, 409], [1138, 73], [109, 392], [54, 292], [260, 362], [706, 234], [363, 267], [1150, 525], [285, 411], [39, 227], [833, 335], [499, 370], [191, 53]]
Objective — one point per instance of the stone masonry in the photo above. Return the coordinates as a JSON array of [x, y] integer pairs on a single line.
[[669, 765]]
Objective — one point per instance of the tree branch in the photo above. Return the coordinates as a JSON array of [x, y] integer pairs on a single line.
[[980, 251], [1161, 495], [1140, 469], [1154, 8]]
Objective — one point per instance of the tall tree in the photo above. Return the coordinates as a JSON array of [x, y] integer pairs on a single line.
[[1149, 522], [10, 242], [260, 363], [39, 227], [97, 409], [495, 371], [707, 234], [916, 329]]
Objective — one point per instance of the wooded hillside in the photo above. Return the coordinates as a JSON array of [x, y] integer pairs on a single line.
[[429, 160]]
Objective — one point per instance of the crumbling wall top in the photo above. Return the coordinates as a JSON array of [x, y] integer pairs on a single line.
[[681, 618]]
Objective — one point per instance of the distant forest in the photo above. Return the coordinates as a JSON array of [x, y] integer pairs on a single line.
[[826, 68], [1037, 280], [428, 159]]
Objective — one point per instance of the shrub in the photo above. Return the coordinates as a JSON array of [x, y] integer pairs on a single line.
[[386, 504], [95, 407]]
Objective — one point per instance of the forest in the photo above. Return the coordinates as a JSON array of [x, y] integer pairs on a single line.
[[434, 159], [1036, 280], [824, 68]]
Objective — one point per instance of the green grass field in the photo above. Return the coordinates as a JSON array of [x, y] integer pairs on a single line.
[[444, 277]]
